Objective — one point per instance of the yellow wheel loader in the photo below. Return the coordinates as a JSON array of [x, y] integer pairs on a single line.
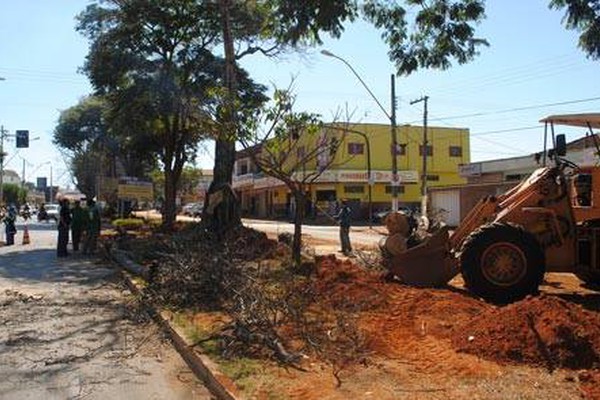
[[550, 222]]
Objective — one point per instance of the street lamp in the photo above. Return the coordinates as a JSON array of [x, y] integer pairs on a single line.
[[391, 117]]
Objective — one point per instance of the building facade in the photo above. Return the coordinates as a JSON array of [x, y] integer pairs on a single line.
[[362, 148], [494, 177]]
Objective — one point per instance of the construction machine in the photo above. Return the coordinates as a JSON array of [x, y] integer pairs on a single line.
[[549, 222]]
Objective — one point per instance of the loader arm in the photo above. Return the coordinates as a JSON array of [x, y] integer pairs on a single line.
[[482, 213]]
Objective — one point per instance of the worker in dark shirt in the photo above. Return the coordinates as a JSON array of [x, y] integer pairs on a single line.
[[64, 223], [344, 217]]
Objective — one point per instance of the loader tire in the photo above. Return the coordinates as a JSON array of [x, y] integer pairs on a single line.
[[502, 263]]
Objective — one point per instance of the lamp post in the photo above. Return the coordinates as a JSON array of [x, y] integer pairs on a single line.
[[391, 117]]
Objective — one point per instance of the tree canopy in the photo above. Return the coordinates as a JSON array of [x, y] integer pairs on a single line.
[[154, 61]]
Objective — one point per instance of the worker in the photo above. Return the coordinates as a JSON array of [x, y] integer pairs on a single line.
[[64, 222], [93, 227], [9, 225], [344, 216], [78, 223]]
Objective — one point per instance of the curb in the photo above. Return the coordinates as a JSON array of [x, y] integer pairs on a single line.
[[218, 384]]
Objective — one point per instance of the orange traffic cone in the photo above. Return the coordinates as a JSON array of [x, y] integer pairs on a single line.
[[26, 235]]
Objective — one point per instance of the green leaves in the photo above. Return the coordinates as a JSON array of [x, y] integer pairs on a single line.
[[584, 17], [442, 31]]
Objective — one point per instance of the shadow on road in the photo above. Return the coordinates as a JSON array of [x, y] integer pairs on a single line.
[[37, 226], [42, 265]]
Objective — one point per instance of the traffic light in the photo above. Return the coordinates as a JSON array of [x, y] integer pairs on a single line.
[[22, 139]]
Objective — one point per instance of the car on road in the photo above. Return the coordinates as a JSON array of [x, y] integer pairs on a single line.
[[52, 212], [193, 209]]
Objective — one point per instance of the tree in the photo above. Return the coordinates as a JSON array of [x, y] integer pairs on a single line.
[[295, 148], [442, 31], [13, 194], [584, 17], [80, 132], [153, 59]]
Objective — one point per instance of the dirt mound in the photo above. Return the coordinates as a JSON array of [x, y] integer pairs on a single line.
[[543, 330], [344, 285]]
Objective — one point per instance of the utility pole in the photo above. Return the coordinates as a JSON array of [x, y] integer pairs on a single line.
[[424, 99], [51, 183], [395, 180], [2, 135]]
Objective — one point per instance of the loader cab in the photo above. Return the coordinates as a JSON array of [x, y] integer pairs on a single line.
[[585, 195], [583, 181]]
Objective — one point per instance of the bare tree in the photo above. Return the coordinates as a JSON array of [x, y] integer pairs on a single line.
[[296, 149]]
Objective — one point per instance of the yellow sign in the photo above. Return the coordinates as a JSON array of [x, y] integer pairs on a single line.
[[137, 190]]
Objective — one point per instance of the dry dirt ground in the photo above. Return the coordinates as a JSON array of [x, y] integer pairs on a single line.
[[439, 344], [69, 329], [398, 342]]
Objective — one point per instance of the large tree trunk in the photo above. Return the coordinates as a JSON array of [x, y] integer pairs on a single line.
[[227, 215], [169, 206]]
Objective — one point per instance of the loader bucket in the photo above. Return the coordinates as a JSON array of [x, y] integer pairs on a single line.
[[428, 264]]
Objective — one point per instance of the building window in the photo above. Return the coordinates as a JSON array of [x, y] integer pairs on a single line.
[[429, 150], [433, 178], [354, 189], [400, 149], [388, 189], [243, 169], [356, 148], [455, 151]]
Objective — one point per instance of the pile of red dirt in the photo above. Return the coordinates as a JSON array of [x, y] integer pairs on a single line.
[[344, 285], [544, 330], [590, 384]]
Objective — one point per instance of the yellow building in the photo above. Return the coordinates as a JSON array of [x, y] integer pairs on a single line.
[[347, 176]]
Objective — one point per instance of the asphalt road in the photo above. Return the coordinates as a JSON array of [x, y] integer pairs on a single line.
[[71, 330]]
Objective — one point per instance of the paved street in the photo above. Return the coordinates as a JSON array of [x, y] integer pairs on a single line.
[[360, 236], [71, 330]]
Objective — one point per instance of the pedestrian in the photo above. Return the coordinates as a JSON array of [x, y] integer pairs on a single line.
[[93, 227], [26, 213], [344, 216], [78, 223], [64, 222], [9, 225]]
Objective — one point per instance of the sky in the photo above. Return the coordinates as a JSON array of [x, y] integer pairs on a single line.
[[532, 68]]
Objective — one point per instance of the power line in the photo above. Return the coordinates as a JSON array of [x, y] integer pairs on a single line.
[[509, 110]]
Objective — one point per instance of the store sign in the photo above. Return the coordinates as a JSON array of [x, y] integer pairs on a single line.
[[267, 182], [466, 170], [242, 180]]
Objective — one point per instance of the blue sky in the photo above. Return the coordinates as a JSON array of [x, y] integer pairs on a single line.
[[533, 65]]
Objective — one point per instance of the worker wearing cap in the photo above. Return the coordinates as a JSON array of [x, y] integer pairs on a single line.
[[344, 217], [78, 223]]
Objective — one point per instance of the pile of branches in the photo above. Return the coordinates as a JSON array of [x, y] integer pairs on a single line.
[[269, 309]]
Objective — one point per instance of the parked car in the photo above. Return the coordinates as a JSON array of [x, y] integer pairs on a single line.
[[51, 213], [192, 209]]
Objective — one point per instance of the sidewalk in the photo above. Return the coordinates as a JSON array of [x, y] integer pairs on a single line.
[[70, 329]]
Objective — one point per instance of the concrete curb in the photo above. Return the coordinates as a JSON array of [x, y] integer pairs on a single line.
[[217, 383]]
